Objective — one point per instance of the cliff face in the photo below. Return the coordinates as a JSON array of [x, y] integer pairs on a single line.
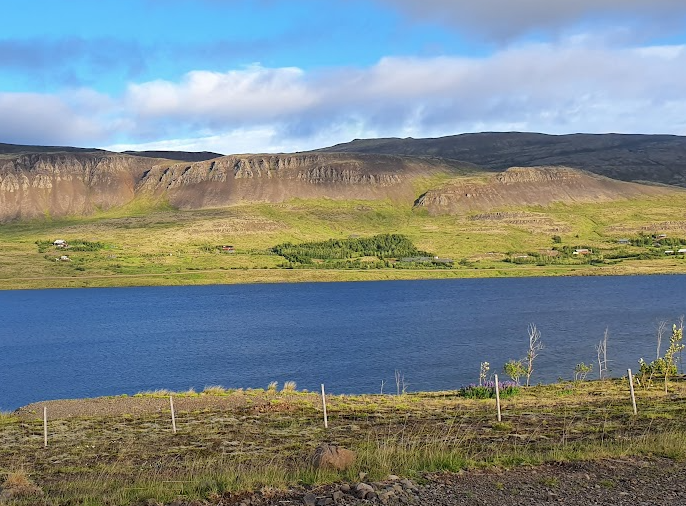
[[519, 186], [78, 182], [74, 183], [59, 184], [275, 178]]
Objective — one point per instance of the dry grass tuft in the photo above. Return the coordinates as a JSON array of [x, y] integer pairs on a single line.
[[17, 485], [17, 479], [215, 390], [289, 386]]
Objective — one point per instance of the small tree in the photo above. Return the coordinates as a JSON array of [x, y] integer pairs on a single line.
[[601, 350], [515, 370], [665, 365], [483, 372], [535, 346], [581, 371], [675, 346]]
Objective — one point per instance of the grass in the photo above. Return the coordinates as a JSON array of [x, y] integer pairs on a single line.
[[253, 440], [153, 244]]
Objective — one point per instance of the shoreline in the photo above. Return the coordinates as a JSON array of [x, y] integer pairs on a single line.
[[272, 275]]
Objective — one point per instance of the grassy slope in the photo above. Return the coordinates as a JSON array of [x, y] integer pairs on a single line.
[[263, 439], [152, 244]]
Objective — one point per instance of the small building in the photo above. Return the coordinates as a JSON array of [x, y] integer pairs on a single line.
[[623, 241], [65, 258], [582, 251], [682, 251], [228, 249], [60, 243], [669, 252]]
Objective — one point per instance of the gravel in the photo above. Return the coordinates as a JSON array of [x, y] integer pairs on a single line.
[[635, 482]]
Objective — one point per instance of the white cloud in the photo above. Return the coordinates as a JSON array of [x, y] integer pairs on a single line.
[[574, 85], [506, 19], [33, 118], [252, 94]]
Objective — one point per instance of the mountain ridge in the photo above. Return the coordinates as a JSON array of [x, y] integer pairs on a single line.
[[628, 157], [38, 181]]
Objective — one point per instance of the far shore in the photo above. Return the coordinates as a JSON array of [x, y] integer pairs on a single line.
[[273, 275]]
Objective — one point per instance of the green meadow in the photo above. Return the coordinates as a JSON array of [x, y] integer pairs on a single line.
[[148, 243]]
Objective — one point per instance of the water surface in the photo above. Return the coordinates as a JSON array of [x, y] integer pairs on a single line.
[[350, 336]]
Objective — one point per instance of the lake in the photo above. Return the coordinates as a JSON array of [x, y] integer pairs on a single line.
[[350, 336]]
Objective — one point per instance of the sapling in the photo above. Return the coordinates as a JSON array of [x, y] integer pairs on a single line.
[[535, 346], [581, 371], [483, 372], [601, 350], [400, 386], [675, 346], [515, 370]]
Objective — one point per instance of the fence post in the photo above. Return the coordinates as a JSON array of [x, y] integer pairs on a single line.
[[45, 426], [326, 419], [631, 389], [171, 405], [497, 397]]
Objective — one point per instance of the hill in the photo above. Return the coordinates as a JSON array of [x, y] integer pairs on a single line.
[[277, 178], [181, 156], [654, 158], [66, 181], [539, 186], [73, 182]]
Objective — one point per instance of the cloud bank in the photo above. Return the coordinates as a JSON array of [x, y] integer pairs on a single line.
[[507, 19], [570, 86]]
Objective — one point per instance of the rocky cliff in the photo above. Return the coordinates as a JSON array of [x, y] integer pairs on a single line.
[[66, 183], [519, 186], [275, 178], [59, 183]]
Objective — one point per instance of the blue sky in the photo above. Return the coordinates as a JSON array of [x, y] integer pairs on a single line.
[[285, 75]]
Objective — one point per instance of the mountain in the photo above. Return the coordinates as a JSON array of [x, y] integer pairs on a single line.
[[526, 186], [38, 181], [66, 181], [276, 178], [654, 158], [50, 182], [181, 156]]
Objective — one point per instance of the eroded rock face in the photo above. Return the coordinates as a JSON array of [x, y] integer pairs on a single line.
[[525, 186], [74, 183], [59, 184], [275, 178]]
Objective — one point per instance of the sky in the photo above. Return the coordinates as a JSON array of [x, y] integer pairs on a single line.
[[249, 76]]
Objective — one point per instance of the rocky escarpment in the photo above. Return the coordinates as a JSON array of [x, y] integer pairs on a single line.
[[519, 186], [66, 183], [656, 158], [275, 178], [73, 182]]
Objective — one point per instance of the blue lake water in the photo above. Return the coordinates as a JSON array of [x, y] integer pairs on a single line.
[[350, 336]]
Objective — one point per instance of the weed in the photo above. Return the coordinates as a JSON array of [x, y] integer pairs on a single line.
[[289, 386]]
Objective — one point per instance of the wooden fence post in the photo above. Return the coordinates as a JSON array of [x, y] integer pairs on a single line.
[[631, 389], [45, 426], [326, 419], [171, 405], [497, 397]]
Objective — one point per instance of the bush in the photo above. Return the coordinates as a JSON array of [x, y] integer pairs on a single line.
[[487, 390]]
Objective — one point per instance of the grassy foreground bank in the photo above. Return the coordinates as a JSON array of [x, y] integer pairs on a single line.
[[121, 450]]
